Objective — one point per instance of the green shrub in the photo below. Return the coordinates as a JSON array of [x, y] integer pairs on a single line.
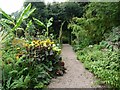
[[28, 60], [104, 63], [98, 19], [30, 64]]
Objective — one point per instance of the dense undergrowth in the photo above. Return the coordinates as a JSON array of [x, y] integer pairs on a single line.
[[103, 59], [30, 59], [105, 64], [30, 64], [97, 41], [31, 49]]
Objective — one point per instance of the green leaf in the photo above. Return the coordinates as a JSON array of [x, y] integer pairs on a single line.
[[29, 13], [22, 16], [49, 22], [7, 21], [21, 82], [6, 15], [39, 85], [7, 28], [27, 79], [29, 25], [48, 68], [18, 83], [22, 70], [8, 83], [39, 22], [13, 71]]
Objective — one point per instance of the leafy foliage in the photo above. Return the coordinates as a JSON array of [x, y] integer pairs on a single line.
[[103, 59], [36, 61], [103, 63], [31, 56], [61, 12], [29, 60], [98, 20], [16, 23], [96, 41]]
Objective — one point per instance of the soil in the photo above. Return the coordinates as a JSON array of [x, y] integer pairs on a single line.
[[76, 75]]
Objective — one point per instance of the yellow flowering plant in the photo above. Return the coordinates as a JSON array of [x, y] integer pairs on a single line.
[[30, 60], [41, 51]]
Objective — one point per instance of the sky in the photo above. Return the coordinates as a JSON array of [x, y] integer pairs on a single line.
[[10, 6]]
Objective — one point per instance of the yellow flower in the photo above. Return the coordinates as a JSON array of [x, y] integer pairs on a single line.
[[17, 57], [44, 44], [41, 42], [32, 44], [18, 48], [48, 41], [52, 42], [33, 41], [36, 45]]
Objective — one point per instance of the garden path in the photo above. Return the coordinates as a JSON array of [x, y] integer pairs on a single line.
[[76, 75]]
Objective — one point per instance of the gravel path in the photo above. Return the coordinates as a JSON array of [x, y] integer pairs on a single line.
[[76, 75]]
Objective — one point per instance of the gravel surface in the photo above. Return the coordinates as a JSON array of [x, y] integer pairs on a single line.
[[76, 75]]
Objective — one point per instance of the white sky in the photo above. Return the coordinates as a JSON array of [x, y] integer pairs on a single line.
[[10, 6], [46, 1]]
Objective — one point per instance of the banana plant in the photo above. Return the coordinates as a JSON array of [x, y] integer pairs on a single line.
[[41, 24], [29, 30], [9, 21]]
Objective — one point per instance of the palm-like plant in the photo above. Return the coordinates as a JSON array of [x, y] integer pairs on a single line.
[[46, 26], [10, 25]]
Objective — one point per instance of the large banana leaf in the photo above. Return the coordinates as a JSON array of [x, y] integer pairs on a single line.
[[7, 27], [30, 26], [23, 16], [6, 15], [29, 13], [7, 21], [39, 22], [4, 23], [49, 23]]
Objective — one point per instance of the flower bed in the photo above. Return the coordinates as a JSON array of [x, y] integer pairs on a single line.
[[31, 64]]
